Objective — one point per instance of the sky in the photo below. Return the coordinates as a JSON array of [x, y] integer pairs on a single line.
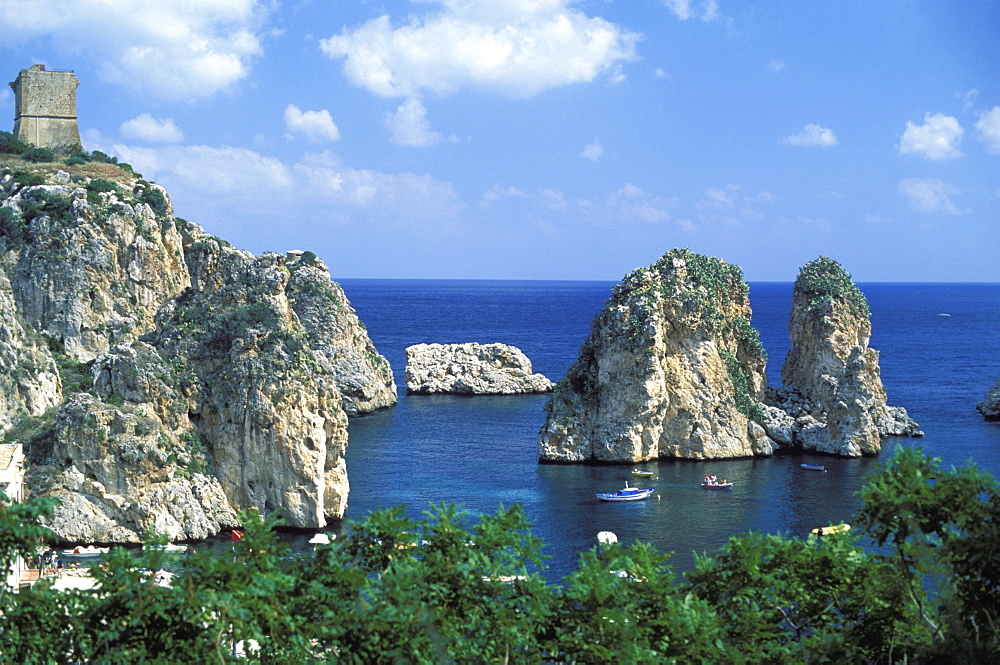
[[550, 139]]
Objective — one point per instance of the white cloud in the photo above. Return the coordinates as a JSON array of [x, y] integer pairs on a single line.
[[707, 10], [630, 203], [178, 50], [938, 138], [775, 65], [408, 125], [225, 170], [730, 205], [930, 196], [516, 48], [145, 127], [314, 125], [592, 151], [239, 180], [989, 129], [812, 135]]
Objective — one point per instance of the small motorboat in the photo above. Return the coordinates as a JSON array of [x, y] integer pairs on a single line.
[[86, 551], [713, 483], [169, 547], [836, 528], [627, 494], [813, 467], [642, 474]]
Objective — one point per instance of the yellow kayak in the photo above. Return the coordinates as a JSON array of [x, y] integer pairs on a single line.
[[836, 528]]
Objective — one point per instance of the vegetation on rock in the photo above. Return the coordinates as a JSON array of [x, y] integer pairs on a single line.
[[823, 279]]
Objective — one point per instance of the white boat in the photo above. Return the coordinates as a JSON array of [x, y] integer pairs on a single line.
[[627, 494], [713, 483], [86, 551], [642, 474], [169, 547], [813, 467]]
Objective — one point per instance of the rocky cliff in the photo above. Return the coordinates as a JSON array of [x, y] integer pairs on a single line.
[[671, 368], [471, 369], [832, 399], [161, 378]]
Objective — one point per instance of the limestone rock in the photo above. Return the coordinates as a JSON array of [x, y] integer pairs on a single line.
[[161, 378], [989, 406], [471, 369], [29, 380], [338, 338], [831, 378], [671, 368]]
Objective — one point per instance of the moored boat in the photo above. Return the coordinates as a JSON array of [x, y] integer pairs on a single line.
[[813, 467], [86, 551], [627, 494], [827, 530], [642, 474], [713, 483]]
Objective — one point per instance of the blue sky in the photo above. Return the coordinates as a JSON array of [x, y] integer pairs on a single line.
[[550, 139]]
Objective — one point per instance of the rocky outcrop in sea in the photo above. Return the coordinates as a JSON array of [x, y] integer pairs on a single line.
[[671, 368], [160, 378], [832, 399], [989, 406], [471, 369]]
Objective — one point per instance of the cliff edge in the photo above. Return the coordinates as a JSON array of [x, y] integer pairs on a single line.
[[160, 378]]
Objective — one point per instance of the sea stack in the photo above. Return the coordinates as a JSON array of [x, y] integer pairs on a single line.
[[832, 384], [672, 368]]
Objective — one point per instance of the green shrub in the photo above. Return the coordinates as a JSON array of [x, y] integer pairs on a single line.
[[101, 185], [11, 225], [39, 155], [75, 160], [28, 179], [10, 145], [824, 278], [99, 156]]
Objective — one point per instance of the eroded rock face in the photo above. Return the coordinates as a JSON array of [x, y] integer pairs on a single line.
[[471, 369], [989, 406], [173, 380], [672, 368], [831, 379], [29, 380]]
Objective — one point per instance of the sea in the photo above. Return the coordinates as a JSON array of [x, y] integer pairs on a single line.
[[938, 351], [938, 346]]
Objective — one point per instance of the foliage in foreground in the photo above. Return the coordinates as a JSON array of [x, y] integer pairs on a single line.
[[432, 590]]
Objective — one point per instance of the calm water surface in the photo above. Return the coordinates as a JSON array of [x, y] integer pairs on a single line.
[[480, 451]]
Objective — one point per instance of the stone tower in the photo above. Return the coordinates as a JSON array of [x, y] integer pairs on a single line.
[[45, 108]]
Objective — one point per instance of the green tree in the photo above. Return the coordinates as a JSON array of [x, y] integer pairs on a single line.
[[942, 529], [820, 599], [623, 603]]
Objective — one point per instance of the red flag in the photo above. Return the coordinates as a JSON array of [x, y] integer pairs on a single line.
[[237, 535]]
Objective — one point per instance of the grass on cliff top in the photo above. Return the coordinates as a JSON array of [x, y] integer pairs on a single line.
[[47, 170]]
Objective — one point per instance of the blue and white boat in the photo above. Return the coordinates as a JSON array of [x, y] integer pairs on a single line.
[[627, 494], [813, 467]]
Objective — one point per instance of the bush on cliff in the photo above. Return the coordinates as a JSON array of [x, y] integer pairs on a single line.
[[397, 589]]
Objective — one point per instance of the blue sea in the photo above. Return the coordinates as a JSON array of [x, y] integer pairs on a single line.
[[938, 347]]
